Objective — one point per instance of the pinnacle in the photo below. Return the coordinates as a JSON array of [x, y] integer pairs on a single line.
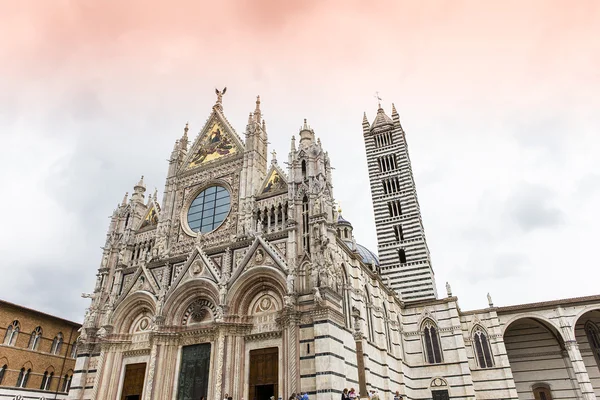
[[394, 112]]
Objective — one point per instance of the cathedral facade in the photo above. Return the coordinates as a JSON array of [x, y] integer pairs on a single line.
[[246, 280]]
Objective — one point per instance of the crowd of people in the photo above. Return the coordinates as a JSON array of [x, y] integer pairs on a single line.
[[347, 394]]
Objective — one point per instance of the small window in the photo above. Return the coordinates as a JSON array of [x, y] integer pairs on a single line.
[[398, 233], [482, 349], [74, 349], [402, 256], [23, 378], [440, 395], [35, 338], [12, 332], [433, 351], [2, 371], [304, 169], [44, 380], [542, 392], [57, 344], [66, 383]]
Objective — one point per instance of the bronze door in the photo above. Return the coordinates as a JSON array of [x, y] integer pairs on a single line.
[[194, 372], [264, 374], [133, 383]]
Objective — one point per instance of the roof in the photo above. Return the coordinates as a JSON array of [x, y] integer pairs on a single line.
[[8, 303], [341, 220], [366, 255], [381, 119]]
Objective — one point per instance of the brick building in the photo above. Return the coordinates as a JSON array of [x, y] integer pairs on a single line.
[[37, 353]]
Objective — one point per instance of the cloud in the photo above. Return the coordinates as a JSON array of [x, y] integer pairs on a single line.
[[531, 207]]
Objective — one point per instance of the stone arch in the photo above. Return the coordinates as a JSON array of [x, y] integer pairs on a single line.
[[50, 368], [526, 338], [182, 298], [586, 332], [535, 316], [126, 313], [581, 313], [27, 365], [252, 282]]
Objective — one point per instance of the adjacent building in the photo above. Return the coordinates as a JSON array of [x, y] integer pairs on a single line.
[[246, 280], [37, 353]]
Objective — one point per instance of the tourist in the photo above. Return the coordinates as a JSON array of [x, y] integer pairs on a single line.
[[352, 394], [226, 396], [345, 394], [397, 395]]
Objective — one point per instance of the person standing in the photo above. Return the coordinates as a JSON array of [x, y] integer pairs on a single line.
[[345, 394]]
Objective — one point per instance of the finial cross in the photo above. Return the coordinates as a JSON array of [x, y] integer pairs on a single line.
[[378, 99]]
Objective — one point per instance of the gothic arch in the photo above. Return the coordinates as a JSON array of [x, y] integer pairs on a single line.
[[251, 283], [130, 308], [182, 297]]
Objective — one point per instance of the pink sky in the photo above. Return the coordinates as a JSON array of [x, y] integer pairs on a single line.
[[500, 101]]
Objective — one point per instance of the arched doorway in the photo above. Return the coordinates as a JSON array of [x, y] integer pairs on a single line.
[[587, 334], [538, 359]]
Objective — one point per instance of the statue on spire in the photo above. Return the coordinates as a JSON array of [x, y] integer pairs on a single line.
[[220, 94]]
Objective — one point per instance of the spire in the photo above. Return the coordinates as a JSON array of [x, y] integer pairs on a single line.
[[183, 142], [138, 191], [307, 135], [155, 195], [381, 119], [124, 202], [394, 112], [257, 112], [293, 147]]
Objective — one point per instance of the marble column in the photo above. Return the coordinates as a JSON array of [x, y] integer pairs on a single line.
[[220, 355], [587, 391], [149, 392], [360, 363]]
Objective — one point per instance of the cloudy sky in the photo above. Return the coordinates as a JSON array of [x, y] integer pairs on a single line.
[[500, 101]]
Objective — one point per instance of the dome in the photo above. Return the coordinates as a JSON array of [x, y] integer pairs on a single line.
[[343, 221], [366, 255]]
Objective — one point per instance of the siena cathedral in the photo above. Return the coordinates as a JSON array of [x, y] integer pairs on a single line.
[[245, 280]]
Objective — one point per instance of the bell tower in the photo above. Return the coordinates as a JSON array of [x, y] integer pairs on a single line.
[[403, 252]]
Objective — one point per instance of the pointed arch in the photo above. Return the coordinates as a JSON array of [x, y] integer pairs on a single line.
[[3, 368], [57, 343], [431, 341], [386, 325], [12, 332], [593, 336], [482, 347], [36, 337], [369, 314]]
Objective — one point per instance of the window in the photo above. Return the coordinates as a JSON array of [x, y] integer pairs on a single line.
[[2, 371], [402, 256], [591, 330], [387, 163], [431, 341], [209, 209], [57, 344], [23, 378], [482, 348], [74, 349], [10, 338], [35, 338], [542, 392], [440, 395], [303, 169], [305, 231], [66, 383], [394, 208], [398, 233], [44, 380], [384, 139], [391, 185]]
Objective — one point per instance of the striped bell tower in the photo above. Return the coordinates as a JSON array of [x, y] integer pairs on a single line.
[[403, 252]]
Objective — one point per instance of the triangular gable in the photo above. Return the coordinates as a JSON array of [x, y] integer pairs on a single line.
[[215, 141], [151, 217], [270, 250], [196, 255], [275, 183], [150, 285]]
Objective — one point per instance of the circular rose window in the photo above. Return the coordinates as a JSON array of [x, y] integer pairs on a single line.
[[209, 209]]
